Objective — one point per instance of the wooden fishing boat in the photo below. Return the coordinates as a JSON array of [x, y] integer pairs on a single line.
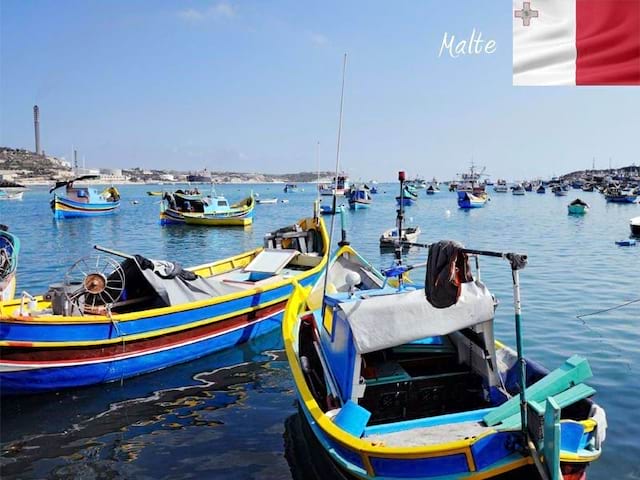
[[407, 197], [518, 189], [9, 251], [468, 200], [432, 189], [359, 197], [111, 320], [501, 186], [634, 224], [558, 191], [389, 237], [154, 194], [578, 207], [83, 201], [339, 186], [618, 195], [392, 386], [197, 209]]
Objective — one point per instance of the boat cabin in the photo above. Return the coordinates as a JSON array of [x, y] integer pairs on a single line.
[[401, 358]]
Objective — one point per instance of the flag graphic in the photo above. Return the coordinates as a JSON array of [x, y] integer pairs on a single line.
[[576, 42]]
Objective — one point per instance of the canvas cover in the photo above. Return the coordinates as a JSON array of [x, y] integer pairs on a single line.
[[173, 284], [391, 320]]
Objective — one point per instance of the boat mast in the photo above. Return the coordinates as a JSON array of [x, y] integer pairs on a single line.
[[334, 201], [399, 220]]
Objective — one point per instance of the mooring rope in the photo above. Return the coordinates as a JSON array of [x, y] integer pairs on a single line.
[[608, 309]]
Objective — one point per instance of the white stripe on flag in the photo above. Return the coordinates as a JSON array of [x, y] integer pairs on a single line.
[[544, 52]]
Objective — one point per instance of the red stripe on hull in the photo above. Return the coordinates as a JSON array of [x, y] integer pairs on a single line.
[[127, 348], [608, 42]]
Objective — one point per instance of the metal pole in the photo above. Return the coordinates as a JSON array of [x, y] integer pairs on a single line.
[[400, 218], [333, 206], [521, 361]]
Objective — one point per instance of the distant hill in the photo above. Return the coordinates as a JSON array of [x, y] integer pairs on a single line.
[[30, 164], [624, 171]]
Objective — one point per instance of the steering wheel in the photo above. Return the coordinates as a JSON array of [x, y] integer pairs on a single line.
[[94, 284]]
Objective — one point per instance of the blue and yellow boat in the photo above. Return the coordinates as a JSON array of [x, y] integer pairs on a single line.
[[409, 383], [83, 201], [111, 320], [197, 209], [359, 197], [9, 251]]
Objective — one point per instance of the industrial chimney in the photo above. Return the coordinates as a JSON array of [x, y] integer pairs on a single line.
[[36, 126]]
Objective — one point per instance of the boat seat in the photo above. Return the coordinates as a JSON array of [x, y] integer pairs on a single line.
[[563, 399], [574, 371]]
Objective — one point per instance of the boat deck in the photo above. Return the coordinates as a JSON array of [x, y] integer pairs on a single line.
[[431, 435]]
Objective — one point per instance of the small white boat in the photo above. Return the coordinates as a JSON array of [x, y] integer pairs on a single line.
[[409, 234], [5, 195], [264, 201]]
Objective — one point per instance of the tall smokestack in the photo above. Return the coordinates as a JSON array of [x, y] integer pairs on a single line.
[[36, 126]]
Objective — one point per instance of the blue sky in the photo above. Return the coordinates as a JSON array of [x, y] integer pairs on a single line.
[[253, 85]]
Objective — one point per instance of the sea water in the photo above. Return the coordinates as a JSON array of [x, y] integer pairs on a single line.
[[223, 416]]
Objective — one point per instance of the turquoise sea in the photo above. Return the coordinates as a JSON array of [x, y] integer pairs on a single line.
[[223, 416]]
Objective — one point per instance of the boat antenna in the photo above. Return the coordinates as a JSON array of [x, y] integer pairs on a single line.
[[335, 187], [399, 220]]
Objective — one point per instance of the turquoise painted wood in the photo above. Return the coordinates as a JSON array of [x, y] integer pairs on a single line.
[[563, 399], [574, 370], [551, 439]]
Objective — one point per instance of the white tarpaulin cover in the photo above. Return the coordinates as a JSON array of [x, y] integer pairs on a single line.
[[391, 320]]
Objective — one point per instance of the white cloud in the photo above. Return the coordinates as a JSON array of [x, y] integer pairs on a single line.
[[219, 10], [318, 39]]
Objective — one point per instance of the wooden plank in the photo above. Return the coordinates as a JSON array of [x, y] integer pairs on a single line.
[[574, 370], [563, 399], [551, 439]]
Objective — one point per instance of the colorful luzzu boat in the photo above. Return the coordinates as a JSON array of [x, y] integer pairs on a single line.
[[83, 201], [110, 320], [469, 200], [9, 251], [407, 197], [393, 387], [578, 207], [359, 197], [197, 209]]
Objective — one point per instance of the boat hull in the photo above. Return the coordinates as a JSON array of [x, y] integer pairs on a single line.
[[622, 199], [577, 209], [65, 208], [467, 201], [359, 205], [174, 217], [104, 351]]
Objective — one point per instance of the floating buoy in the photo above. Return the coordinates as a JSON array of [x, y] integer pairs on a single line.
[[135, 202], [447, 213], [626, 243]]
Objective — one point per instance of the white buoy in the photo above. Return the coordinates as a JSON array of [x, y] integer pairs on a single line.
[[447, 213]]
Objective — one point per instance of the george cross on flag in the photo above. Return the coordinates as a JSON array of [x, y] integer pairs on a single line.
[[576, 42]]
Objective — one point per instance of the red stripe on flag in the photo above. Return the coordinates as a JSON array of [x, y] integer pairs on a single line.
[[608, 42]]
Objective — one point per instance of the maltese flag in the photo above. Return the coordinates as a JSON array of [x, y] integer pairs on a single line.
[[576, 42]]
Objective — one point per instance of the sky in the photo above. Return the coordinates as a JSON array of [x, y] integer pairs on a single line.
[[253, 86]]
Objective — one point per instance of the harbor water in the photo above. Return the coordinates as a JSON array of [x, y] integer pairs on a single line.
[[224, 415]]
